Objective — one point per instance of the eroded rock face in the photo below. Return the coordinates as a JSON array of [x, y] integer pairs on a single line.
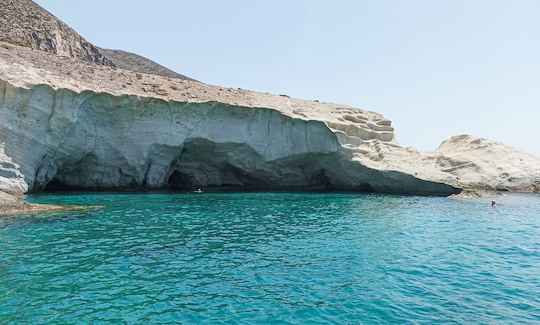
[[66, 123], [11, 178], [60, 138], [482, 163]]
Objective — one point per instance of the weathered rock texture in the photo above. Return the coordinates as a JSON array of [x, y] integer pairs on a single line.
[[68, 123], [24, 23], [11, 204], [470, 163], [482, 163], [60, 128], [72, 123], [134, 62]]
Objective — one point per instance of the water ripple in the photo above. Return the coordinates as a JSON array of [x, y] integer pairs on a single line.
[[273, 258]]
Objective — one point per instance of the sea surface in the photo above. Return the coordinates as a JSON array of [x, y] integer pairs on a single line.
[[272, 258]]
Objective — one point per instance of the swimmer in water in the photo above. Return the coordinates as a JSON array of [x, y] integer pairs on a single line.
[[493, 203]]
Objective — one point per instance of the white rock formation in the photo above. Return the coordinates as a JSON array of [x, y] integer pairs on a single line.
[[97, 140], [11, 178], [65, 122], [481, 163]]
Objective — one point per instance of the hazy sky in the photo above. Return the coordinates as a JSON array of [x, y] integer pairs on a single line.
[[435, 68]]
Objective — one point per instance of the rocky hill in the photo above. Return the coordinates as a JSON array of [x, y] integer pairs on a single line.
[[25, 23]]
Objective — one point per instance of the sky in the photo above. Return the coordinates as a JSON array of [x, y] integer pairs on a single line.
[[435, 68]]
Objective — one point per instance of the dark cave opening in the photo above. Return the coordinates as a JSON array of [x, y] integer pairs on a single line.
[[56, 185], [180, 181], [232, 179], [364, 188], [209, 166], [235, 179]]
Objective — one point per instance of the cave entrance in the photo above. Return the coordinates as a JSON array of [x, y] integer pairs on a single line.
[[225, 177], [90, 174], [72, 175], [208, 164], [180, 181], [56, 185], [234, 166]]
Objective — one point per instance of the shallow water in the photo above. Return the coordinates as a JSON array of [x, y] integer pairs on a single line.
[[273, 258]]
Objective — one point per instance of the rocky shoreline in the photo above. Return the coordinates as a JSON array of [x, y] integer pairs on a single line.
[[72, 120], [14, 205], [11, 205]]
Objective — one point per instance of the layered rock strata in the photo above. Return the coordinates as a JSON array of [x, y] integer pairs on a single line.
[[66, 123], [65, 137]]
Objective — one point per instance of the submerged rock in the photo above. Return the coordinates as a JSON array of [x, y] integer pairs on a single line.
[[11, 204]]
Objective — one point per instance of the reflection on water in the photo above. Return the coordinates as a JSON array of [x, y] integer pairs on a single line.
[[264, 258]]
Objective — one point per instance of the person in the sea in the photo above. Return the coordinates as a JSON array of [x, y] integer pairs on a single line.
[[493, 203]]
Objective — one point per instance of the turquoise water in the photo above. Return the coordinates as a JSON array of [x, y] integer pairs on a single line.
[[255, 258]]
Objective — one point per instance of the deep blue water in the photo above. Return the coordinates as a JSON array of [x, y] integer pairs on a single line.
[[257, 258]]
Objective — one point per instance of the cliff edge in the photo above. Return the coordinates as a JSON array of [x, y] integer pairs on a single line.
[[67, 122]]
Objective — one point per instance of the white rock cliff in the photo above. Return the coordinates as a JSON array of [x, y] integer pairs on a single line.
[[69, 123]]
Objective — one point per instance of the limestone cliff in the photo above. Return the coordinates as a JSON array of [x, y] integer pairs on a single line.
[[466, 162], [481, 163], [72, 118], [61, 125], [68, 123]]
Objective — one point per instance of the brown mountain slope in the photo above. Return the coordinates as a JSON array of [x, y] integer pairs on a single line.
[[25, 23], [134, 62]]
